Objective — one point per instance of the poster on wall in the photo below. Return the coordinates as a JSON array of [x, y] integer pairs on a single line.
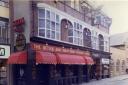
[[4, 51], [105, 61]]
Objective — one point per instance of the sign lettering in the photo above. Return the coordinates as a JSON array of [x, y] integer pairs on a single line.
[[49, 48], [2, 52]]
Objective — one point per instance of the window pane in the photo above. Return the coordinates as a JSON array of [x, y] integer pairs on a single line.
[[70, 32], [48, 24], [42, 32], [48, 14], [70, 26], [77, 33], [41, 13], [52, 16], [57, 35], [75, 40], [53, 25], [80, 27], [71, 39], [81, 34], [75, 25], [57, 18], [57, 27], [53, 35], [42, 23], [48, 33]]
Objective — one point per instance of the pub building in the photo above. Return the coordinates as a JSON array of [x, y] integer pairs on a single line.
[[53, 46], [52, 63]]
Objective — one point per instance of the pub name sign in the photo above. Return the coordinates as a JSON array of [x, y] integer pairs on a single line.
[[50, 48]]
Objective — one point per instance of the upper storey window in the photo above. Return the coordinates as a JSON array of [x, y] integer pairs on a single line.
[[48, 24], [101, 42], [72, 33], [87, 37], [66, 31], [4, 3], [4, 32], [78, 34]]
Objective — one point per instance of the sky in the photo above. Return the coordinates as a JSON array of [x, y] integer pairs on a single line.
[[118, 11]]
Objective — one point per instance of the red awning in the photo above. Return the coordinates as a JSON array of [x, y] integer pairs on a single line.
[[88, 60], [45, 58], [70, 59], [18, 58]]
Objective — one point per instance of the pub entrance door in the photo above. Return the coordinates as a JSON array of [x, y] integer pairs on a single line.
[[19, 72], [42, 71]]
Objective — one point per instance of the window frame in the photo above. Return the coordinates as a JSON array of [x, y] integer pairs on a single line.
[[55, 31]]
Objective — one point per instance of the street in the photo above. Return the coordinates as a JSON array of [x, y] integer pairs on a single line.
[[120, 80]]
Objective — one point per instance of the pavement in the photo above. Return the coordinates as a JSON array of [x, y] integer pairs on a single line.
[[118, 80]]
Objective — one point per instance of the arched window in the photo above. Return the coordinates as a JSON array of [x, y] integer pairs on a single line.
[[87, 37], [101, 42], [66, 31]]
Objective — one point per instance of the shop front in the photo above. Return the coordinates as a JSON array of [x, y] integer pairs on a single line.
[[100, 69], [105, 67], [4, 54], [51, 65]]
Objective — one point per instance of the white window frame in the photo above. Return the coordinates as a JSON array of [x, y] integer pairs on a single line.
[[45, 28], [80, 33]]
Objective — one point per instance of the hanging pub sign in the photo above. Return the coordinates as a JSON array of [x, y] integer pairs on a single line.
[[18, 25], [20, 42]]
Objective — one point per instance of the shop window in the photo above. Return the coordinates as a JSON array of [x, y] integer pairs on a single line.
[[3, 74], [3, 32], [48, 24]]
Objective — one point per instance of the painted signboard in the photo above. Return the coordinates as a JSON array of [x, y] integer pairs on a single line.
[[50, 48], [4, 51]]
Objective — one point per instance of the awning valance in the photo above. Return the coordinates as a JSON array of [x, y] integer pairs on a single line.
[[18, 58], [88, 60], [69, 59], [45, 58]]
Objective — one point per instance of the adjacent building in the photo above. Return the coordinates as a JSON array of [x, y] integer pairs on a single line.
[[119, 44], [58, 42], [4, 41]]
